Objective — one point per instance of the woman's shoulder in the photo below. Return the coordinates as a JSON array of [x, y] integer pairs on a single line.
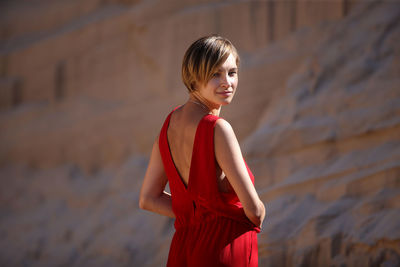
[[223, 129], [222, 123]]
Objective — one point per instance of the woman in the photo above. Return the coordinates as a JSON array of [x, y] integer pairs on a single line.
[[216, 208]]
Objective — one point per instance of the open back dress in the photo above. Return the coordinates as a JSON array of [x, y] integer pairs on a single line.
[[211, 228]]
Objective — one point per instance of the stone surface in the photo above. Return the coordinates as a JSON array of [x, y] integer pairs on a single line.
[[64, 73], [85, 88], [326, 152]]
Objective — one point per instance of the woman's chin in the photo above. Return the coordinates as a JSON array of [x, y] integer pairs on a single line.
[[226, 102]]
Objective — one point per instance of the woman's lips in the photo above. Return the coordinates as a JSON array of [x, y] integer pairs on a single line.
[[226, 93]]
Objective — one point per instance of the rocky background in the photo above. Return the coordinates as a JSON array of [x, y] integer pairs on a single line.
[[85, 86]]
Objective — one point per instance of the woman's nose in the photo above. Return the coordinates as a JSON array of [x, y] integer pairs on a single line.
[[225, 80]]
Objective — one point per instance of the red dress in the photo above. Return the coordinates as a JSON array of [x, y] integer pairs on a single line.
[[211, 227]]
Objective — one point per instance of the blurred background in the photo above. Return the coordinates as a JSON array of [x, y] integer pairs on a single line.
[[85, 86]]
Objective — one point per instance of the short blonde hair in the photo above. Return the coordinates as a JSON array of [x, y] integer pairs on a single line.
[[203, 57]]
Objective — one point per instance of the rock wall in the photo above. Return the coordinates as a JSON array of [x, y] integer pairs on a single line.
[[69, 68], [326, 151], [85, 85]]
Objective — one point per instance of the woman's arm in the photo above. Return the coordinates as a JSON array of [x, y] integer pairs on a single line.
[[152, 194], [230, 159]]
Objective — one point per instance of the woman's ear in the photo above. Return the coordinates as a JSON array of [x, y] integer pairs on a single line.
[[193, 86]]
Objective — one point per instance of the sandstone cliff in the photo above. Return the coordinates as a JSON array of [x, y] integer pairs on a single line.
[[326, 152], [85, 88]]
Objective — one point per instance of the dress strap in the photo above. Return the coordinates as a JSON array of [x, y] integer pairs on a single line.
[[202, 173], [169, 166]]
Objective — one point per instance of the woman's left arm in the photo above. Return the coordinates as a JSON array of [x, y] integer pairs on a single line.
[[152, 194]]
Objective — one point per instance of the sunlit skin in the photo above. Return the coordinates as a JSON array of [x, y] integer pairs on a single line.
[[220, 89], [231, 170]]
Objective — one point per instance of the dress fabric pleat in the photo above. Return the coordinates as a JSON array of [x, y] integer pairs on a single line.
[[211, 228]]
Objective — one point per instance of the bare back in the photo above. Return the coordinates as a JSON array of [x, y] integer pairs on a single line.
[[181, 134]]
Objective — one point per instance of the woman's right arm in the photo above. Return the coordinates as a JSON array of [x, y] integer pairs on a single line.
[[230, 159], [152, 194]]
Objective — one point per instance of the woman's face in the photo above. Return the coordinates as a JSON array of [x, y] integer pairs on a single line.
[[221, 88]]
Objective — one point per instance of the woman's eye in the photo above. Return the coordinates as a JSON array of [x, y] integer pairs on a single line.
[[231, 73], [216, 74]]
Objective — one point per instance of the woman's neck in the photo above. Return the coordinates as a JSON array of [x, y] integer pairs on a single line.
[[204, 104]]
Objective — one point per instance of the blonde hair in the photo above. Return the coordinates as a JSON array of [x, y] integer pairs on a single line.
[[203, 57]]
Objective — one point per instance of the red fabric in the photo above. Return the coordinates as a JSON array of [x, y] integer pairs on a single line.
[[211, 227]]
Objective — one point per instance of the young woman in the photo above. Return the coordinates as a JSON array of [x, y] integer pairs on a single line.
[[217, 210]]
